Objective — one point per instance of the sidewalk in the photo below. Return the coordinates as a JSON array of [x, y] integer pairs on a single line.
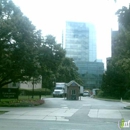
[[127, 104], [56, 114], [115, 100]]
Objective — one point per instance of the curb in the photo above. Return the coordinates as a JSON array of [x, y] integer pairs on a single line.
[[114, 100], [127, 107], [107, 99]]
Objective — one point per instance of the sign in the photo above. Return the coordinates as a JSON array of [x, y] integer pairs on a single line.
[[9, 93]]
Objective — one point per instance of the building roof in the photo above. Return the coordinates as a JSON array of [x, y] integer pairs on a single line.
[[73, 83]]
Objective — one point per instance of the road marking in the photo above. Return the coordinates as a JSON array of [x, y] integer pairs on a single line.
[[87, 105], [104, 113], [54, 114], [64, 106]]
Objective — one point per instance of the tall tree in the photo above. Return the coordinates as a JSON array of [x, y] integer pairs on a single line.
[[50, 57], [116, 80], [18, 44], [123, 17], [68, 71]]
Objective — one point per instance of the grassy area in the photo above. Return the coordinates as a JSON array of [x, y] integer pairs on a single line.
[[28, 97], [47, 96], [23, 97]]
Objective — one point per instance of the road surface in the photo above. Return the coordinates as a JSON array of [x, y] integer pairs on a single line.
[[61, 114]]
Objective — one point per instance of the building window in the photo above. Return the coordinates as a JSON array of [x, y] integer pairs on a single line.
[[73, 92]]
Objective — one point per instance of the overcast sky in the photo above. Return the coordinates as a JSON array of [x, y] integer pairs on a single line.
[[50, 15]]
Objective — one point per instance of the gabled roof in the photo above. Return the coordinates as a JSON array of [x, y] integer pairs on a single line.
[[72, 83]]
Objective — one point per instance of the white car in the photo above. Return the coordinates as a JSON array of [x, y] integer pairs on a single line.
[[86, 93]]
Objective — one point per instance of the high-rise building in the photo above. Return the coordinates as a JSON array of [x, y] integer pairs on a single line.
[[113, 41], [79, 39]]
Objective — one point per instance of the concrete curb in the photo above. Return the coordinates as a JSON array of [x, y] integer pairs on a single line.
[[127, 107], [114, 100]]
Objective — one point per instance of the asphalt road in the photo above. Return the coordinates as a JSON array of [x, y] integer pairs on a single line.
[[84, 114]]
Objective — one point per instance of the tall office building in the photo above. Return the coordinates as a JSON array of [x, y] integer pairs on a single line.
[[80, 44], [80, 41]]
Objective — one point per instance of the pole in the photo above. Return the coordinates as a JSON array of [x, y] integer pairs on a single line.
[[33, 88]]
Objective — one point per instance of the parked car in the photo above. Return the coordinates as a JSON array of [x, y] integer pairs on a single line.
[[86, 93]]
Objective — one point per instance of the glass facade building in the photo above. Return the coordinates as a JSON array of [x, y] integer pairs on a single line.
[[80, 41], [80, 44], [91, 73]]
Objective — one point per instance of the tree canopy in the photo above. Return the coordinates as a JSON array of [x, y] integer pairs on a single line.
[[68, 71], [18, 43], [25, 53], [116, 80]]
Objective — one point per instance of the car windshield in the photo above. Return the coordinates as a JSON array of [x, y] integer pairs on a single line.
[[58, 88], [64, 64]]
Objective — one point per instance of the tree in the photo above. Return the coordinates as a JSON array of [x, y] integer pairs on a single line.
[[19, 41], [122, 46], [68, 71], [116, 80], [50, 57], [123, 17]]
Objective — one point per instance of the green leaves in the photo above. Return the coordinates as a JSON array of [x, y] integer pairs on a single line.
[[123, 17], [18, 40], [24, 53], [67, 71], [116, 80]]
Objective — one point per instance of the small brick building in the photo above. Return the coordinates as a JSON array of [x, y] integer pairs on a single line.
[[73, 90]]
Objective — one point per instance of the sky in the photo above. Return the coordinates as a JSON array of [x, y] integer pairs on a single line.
[[50, 16]]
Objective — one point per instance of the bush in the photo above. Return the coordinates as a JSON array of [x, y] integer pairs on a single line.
[[21, 103], [127, 95], [36, 92], [100, 93]]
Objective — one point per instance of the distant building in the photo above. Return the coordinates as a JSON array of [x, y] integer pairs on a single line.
[[113, 45], [107, 62], [113, 41], [26, 85], [91, 73], [79, 40]]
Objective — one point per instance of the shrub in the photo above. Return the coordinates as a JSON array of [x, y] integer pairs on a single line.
[[100, 93], [127, 95], [21, 103], [36, 92]]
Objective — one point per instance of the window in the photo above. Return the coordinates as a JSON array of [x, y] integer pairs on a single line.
[[73, 92]]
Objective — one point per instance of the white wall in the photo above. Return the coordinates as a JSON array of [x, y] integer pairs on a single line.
[[29, 85]]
